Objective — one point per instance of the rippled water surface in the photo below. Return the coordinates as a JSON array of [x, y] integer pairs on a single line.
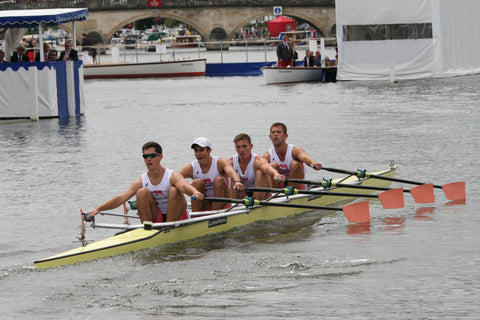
[[421, 261]]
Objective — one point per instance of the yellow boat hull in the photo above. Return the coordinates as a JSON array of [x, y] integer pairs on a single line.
[[140, 238]]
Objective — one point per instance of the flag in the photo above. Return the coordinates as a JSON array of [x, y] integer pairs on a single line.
[[154, 3]]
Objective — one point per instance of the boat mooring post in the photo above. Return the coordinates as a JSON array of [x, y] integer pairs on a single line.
[[265, 47], [221, 51]]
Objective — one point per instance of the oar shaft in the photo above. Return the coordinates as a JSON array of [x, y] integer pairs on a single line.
[[118, 215], [344, 185], [329, 193], [273, 204], [374, 176]]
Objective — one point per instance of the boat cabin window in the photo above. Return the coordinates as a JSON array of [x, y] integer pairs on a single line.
[[387, 32]]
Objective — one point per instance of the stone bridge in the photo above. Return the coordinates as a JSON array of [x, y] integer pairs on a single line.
[[213, 20]]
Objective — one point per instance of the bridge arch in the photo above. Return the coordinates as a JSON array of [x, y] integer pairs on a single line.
[[207, 21]]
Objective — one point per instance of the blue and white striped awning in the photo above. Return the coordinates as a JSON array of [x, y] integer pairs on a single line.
[[48, 17]]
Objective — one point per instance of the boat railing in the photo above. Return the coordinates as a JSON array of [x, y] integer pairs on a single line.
[[263, 50]]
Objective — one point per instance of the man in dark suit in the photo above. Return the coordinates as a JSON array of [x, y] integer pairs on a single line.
[[69, 53], [284, 52], [20, 55], [309, 60], [46, 48]]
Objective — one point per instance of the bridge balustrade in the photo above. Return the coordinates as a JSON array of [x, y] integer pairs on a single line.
[[142, 4]]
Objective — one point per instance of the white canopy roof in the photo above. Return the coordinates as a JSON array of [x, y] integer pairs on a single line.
[[32, 18], [17, 20]]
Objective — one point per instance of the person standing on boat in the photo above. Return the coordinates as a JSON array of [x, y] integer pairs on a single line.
[[294, 56], [309, 60], [159, 191], [284, 53], [288, 159], [210, 175], [253, 170]]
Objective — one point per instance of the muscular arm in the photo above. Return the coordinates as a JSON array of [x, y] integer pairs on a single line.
[[262, 164], [187, 171], [178, 181], [225, 169], [300, 155], [118, 199], [266, 156]]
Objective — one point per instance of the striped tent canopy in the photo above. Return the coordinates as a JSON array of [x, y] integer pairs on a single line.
[[48, 17]]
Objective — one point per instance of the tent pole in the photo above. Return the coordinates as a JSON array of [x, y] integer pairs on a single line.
[[74, 35], [40, 37]]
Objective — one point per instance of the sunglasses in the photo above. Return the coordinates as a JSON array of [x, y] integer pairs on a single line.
[[150, 155]]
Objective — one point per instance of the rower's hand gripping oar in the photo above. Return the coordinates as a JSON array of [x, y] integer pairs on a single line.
[[421, 194], [453, 191], [357, 212], [390, 199]]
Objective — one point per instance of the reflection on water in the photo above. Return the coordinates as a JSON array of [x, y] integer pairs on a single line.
[[359, 228], [393, 223], [456, 202], [424, 213], [292, 229]]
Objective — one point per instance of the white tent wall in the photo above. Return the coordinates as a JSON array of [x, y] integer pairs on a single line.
[[460, 36], [448, 50], [22, 105]]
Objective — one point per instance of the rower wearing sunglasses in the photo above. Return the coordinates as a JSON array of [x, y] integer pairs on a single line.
[[159, 191]]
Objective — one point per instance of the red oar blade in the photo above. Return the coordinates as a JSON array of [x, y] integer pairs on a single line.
[[392, 199], [454, 190], [423, 193], [357, 212]]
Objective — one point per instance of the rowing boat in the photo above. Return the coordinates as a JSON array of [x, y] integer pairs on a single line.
[[165, 69], [136, 237]]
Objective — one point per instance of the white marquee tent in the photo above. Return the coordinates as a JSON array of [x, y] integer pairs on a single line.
[[407, 39]]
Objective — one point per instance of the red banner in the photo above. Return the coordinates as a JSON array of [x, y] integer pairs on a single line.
[[154, 3]]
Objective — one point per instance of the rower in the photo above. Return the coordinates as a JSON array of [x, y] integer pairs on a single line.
[[209, 174], [253, 170], [288, 159], [159, 191]]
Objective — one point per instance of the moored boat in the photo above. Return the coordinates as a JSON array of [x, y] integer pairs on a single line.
[[277, 75], [177, 68], [136, 237]]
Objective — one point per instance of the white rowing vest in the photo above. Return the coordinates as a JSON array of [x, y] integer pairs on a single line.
[[159, 191], [285, 163], [206, 177], [247, 177]]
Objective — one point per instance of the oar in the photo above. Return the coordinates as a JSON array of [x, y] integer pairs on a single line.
[[356, 212], [118, 215], [453, 191], [421, 194], [390, 199]]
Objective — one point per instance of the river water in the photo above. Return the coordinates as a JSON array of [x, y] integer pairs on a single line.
[[418, 262]]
